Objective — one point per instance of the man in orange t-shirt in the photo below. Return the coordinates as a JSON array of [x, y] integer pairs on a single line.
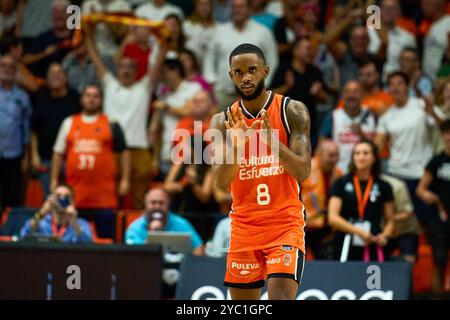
[[88, 141], [374, 98]]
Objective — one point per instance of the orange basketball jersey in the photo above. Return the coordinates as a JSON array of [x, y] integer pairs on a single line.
[[267, 210], [91, 166]]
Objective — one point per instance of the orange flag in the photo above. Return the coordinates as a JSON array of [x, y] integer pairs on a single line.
[[158, 28]]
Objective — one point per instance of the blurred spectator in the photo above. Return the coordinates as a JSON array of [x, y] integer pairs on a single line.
[[11, 17], [315, 194], [136, 46], [326, 63], [218, 246], [349, 216], [349, 125], [89, 142], [443, 111], [81, 70], [24, 77], [436, 40], [199, 29], [420, 84], [309, 18], [177, 39], [37, 13], [50, 46], [158, 10], [201, 111], [390, 39], [260, 15], [170, 107], [405, 236], [58, 217], [106, 35], [222, 10], [444, 70], [190, 183], [433, 189], [350, 55], [52, 105], [227, 37], [374, 98], [285, 28], [15, 114], [302, 81], [408, 126], [192, 71], [158, 217], [275, 7], [127, 101]]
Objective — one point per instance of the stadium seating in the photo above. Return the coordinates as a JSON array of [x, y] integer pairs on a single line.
[[13, 219]]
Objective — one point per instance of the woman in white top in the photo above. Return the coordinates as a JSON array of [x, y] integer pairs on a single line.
[[199, 28], [408, 126]]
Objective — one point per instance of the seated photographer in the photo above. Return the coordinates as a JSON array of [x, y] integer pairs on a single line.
[[58, 217], [157, 217]]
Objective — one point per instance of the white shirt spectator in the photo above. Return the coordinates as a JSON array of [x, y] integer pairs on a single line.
[[177, 99], [226, 38], [129, 106], [103, 36], [275, 8], [345, 137], [198, 38], [408, 128], [435, 45], [398, 39], [151, 12]]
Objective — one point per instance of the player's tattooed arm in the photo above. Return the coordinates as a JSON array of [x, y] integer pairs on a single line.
[[296, 159]]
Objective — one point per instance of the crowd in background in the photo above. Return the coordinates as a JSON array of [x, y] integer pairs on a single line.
[[94, 122]]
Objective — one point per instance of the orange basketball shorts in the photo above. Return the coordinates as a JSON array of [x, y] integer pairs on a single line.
[[250, 269]]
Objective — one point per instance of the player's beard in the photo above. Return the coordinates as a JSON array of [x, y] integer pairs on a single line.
[[258, 90]]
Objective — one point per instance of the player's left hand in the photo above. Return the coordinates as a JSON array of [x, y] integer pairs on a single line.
[[266, 132]]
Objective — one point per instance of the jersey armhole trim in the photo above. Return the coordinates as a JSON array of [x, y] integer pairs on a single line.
[[284, 105]]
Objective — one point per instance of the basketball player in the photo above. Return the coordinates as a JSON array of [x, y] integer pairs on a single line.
[[267, 216]]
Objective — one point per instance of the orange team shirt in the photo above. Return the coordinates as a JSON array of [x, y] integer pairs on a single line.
[[315, 191], [266, 210], [91, 167], [378, 102]]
